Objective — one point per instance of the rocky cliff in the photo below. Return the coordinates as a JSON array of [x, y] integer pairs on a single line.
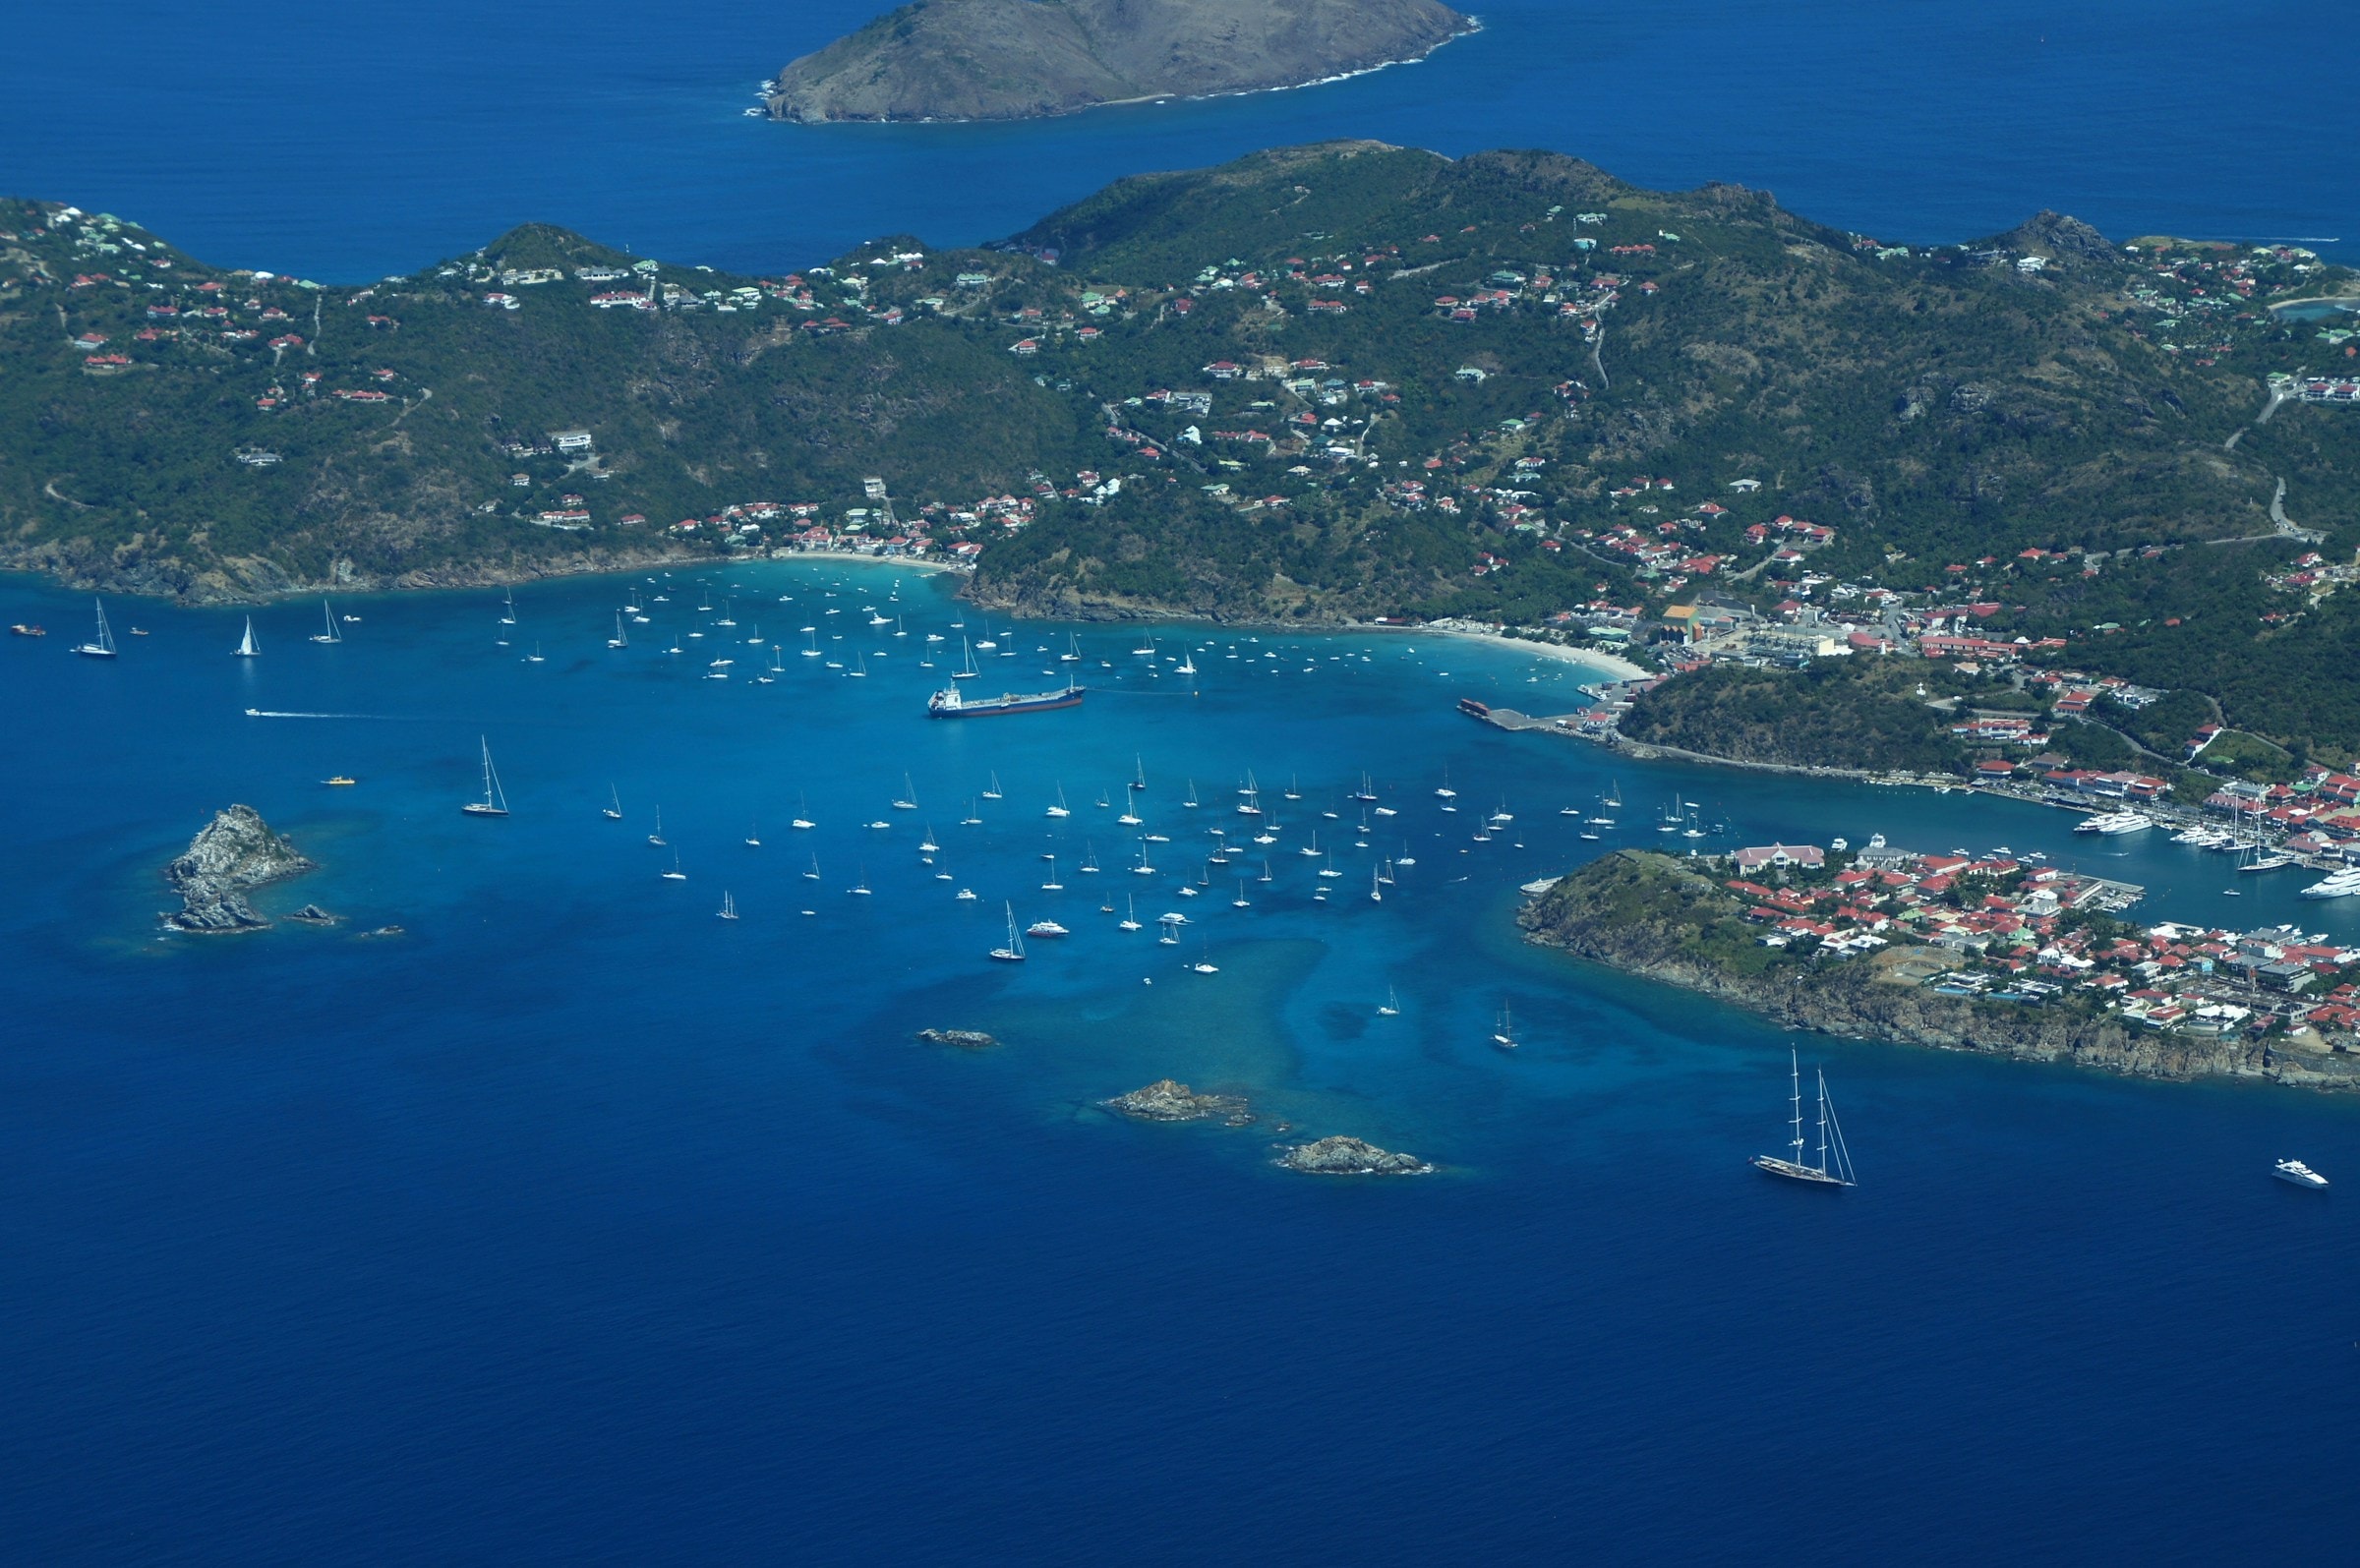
[[232, 854], [1648, 915], [1023, 59]]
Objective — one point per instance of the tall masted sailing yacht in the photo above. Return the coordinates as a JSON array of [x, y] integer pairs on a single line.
[[1835, 1163]]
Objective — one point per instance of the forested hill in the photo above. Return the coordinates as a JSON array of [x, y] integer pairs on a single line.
[[1318, 383]]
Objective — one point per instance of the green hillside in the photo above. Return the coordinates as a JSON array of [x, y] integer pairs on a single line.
[[1323, 382]]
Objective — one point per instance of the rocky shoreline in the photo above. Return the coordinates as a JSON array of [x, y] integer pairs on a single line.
[[232, 855], [1578, 915]]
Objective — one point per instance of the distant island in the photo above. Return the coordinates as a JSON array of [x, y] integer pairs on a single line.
[[1025, 59]]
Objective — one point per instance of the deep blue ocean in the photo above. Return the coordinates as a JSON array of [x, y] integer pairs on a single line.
[[347, 142], [575, 1224]]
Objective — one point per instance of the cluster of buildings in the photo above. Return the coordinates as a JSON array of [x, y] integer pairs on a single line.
[[2006, 929]]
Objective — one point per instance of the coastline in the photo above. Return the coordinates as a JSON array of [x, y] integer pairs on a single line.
[[1611, 664], [1576, 915], [213, 589]]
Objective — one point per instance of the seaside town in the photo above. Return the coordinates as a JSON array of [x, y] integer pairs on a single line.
[[2005, 927]]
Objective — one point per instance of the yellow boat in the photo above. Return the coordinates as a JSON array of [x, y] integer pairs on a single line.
[[340, 780]]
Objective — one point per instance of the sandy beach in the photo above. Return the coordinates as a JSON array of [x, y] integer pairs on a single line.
[[1608, 663]]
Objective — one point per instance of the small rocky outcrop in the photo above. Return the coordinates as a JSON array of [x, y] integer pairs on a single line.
[[233, 853], [1350, 1156], [313, 914], [1169, 1100], [964, 1039]]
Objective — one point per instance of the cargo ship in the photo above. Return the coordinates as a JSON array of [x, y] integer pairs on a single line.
[[952, 703]]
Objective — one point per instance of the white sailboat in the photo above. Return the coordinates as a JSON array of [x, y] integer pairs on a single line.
[[1505, 1034], [1012, 950], [102, 645], [675, 874], [247, 647], [657, 838], [908, 796], [1190, 801], [1393, 1005], [612, 809], [494, 804], [507, 614], [619, 640], [993, 794], [729, 907], [1835, 1171], [334, 634], [1060, 809], [1129, 921], [1052, 884], [754, 835], [1376, 887], [966, 661]]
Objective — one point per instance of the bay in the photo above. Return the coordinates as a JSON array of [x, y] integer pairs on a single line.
[[576, 1223]]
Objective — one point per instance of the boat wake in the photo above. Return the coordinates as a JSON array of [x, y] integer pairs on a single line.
[[264, 713]]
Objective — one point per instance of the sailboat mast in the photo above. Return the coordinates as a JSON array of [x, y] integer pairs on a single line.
[[1794, 1071], [1822, 1120]]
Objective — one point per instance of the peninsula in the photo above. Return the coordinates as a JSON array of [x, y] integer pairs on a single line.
[[1990, 956], [1024, 59]]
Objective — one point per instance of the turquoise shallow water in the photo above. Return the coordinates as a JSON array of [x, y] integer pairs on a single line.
[[577, 1223]]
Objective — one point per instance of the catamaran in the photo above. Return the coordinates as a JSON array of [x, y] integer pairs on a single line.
[[101, 646], [247, 647], [1835, 1163], [494, 803], [333, 634], [1060, 809]]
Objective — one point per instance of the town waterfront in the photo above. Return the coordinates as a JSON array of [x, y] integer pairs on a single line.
[[640, 1233]]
